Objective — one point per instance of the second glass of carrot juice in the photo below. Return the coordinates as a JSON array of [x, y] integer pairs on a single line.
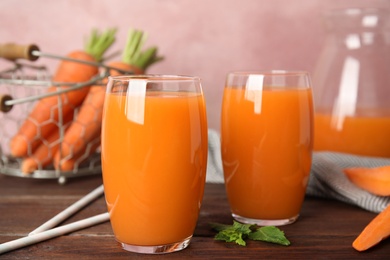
[[154, 159], [266, 144]]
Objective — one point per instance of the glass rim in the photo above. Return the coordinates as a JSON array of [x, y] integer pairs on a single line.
[[269, 73], [354, 11], [155, 77]]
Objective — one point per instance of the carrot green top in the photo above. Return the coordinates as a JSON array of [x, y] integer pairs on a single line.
[[97, 43], [133, 53]]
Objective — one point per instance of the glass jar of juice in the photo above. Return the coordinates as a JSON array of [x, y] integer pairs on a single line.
[[351, 84]]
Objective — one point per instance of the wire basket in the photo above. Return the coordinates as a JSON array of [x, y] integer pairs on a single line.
[[21, 87]]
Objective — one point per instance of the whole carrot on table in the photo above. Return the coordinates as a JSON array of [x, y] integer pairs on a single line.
[[45, 117], [80, 139]]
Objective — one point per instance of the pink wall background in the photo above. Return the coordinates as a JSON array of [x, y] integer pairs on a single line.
[[206, 38]]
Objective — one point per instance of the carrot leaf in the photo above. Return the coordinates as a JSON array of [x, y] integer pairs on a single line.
[[97, 43], [133, 53]]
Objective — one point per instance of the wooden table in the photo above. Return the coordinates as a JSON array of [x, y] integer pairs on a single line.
[[325, 229]]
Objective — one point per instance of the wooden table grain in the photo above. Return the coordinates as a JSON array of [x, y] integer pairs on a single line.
[[325, 229]]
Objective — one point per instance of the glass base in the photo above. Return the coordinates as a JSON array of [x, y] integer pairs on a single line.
[[159, 249], [265, 222]]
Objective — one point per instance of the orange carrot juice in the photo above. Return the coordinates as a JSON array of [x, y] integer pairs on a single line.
[[360, 135], [154, 157], [266, 150]]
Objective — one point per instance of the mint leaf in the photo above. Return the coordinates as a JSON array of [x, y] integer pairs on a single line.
[[270, 234], [230, 235], [243, 228], [233, 233]]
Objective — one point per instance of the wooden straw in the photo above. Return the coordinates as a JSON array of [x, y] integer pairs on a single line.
[[55, 232], [72, 209]]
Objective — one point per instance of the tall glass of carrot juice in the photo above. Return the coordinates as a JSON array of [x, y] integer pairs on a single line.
[[154, 156], [266, 144]]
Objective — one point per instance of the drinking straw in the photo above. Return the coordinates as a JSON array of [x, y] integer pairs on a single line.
[[55, 232], [78, 205]]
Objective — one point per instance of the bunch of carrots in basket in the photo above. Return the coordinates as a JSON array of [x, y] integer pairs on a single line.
[[76, 115]]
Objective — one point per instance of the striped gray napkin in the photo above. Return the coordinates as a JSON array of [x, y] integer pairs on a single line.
[[326, 177]]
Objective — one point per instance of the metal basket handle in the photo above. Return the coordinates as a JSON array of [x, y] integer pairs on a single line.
[[3, 106], [12, 51]]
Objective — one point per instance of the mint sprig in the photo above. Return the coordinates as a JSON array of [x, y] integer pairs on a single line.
[[238, 233]]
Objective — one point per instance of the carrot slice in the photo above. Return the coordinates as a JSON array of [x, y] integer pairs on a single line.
[[377, 230], [374, 180]]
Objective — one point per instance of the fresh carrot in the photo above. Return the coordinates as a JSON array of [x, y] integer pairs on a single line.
[[374, 180], [85, 129], [73, 162], [43, 155], [377, 230], [89, 119], [44, 117]]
